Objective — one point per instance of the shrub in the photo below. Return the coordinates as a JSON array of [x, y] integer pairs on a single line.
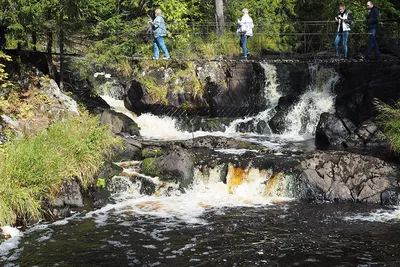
[[389, 119], [33, 169]]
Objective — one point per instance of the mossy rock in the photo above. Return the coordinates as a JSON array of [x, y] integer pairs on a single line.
[[149, 167], [152, 152]]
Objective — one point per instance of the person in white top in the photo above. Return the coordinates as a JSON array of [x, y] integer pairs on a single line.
[[245, 30]]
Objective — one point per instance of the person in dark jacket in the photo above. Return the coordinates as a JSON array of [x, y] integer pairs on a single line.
[[159, 32], [345, 21], [372, 23]]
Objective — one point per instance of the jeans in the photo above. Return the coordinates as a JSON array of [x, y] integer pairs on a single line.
[[344, 36], [243, 42], [372, 41], [159, 42]]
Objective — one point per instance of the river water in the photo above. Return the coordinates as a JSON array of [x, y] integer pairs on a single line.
[[212, 224], [280, 234]]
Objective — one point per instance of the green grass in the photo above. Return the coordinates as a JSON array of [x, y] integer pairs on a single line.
[[32, 169], [389, 119]]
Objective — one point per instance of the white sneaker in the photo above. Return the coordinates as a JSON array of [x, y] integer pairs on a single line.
[[165, 57]]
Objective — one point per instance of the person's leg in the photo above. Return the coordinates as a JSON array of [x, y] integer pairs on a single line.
[[371, 37], [243, 41], [336, 43], [160, 41], [345, 38], [375, 43], [156, 50], [248, 52]]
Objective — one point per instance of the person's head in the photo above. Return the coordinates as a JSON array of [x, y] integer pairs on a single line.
[[245, 11], [341, 8], [370, 4], [157, 12]]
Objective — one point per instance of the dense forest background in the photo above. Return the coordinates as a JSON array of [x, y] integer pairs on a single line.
[[114, 29]]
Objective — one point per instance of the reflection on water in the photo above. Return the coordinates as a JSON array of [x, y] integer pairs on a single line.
[[290, 234]]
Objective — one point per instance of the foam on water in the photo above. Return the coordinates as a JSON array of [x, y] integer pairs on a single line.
[[377, 216], [11, 243], [206, 194]]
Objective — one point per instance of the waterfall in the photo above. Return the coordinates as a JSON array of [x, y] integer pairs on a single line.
[[300, 121], [303, 118], [271, 95]]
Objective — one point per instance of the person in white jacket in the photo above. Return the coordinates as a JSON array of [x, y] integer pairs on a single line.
[[245, 30], [344, 20]]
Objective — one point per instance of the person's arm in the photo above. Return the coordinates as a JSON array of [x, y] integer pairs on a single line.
[[241, 21], [349, 19], [373, 19], [157, 22]]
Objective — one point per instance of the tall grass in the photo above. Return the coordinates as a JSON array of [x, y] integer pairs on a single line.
[[32, 169], [389, 119]]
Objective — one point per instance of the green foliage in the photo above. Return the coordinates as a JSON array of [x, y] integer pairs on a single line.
[[101, 183], [149, 167], [389, 119], [32, 169], [5, 84], [111, 31]]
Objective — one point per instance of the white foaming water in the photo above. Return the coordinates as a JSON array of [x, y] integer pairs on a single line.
[[10, 243], [271, 85], [205, 195], [303, 118], [271, 95], [377, 216]]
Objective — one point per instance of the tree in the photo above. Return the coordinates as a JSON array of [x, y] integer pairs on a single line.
[[219, 16]]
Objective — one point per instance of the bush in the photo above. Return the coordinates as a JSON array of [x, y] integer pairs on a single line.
[[33, 169], [389, 119]]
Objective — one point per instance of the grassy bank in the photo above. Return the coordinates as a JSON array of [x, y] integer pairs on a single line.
[[32, 169], [389, 119]]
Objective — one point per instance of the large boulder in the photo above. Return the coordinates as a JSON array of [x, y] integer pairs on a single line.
[[332, 130], [343, 176], [278, 122], [119, 122], [177, 166], [70, 195]]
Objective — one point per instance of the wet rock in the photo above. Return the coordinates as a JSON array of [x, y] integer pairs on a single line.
[[136, 98], [175, 166], [197, 123], [333, 131], [278, 123], [241, 95], [254, 126], [131, 150], [120, 123], [109, 170], [369, 137], [246, 127], [153, 152], [216, 142], [70, 195], [292, 78], [362, 84], [343, 176]]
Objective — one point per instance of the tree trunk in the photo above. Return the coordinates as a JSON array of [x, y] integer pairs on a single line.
[[219, 16], [34, 40], [61, 49]]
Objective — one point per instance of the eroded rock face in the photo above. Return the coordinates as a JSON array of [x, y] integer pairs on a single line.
[[343, 176]]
